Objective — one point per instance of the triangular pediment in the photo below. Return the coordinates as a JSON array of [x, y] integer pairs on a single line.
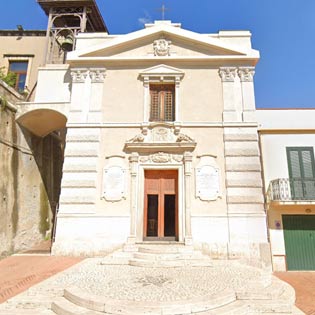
[[162, 70], [183, 43]]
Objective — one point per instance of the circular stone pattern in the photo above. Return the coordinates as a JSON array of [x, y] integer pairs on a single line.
[[125, 282]]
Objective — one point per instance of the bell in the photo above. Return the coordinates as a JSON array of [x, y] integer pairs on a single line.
[[67, 43]]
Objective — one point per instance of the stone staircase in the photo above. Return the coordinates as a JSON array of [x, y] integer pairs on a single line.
[[159, 256], [77, 302]]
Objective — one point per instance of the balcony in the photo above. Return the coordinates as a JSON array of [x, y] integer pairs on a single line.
[[291, 189]]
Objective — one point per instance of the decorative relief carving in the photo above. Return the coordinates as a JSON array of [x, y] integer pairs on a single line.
[[246, 74], [184, 138], [161, 47], [97, 75], [161, 157], [137, 138], [144, 159], [177, 157], [227, 74], [161, 134], [79, 75]]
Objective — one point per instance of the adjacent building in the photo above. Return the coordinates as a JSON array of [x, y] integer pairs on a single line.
[[287, 146]]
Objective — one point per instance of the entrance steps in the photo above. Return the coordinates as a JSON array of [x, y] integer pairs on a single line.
[[168, 256], [160, 256], [277, 299], [76, 302]]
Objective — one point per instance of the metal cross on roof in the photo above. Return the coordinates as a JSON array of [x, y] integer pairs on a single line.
[[163, 9]]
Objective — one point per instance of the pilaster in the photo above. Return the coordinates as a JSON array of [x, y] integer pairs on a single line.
[[187, 184], [230, 113], [146, 97], [134, 161], [78, 93], [246, 75], [86, 95], [177, 98], [97, 77]]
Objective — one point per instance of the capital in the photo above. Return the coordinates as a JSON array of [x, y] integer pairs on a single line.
[[227, 74], [79, 75], [97, 75], [246, 74]]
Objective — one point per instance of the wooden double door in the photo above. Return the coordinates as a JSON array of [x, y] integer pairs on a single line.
[[161, 205]]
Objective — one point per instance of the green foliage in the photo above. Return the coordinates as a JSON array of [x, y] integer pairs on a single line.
[[9, 78], [3, 103]]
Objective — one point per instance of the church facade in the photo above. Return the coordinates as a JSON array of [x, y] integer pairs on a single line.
[[161, 142], [149, 137]]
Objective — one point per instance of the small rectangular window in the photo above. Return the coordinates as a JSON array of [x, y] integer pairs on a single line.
[[162, 106], [19, 68]]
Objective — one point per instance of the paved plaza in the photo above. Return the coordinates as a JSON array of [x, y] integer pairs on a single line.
[[111, 285]]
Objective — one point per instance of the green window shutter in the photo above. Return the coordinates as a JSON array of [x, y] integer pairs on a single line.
[[301, 172], [307, 164], [294, 163]]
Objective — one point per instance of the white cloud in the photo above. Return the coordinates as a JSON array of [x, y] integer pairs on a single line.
[[145, 19]]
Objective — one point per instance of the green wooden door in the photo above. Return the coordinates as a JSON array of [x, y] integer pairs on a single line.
[[299, 239]]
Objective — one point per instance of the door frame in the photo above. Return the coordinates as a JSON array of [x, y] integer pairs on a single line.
[[140, 199], [161, 210]]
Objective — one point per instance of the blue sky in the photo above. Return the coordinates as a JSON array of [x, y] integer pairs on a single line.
[[282, 30]]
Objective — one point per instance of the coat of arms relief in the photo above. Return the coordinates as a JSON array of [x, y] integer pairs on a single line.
[[161, 47]]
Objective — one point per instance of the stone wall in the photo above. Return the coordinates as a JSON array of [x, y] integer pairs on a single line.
[[28, 182]]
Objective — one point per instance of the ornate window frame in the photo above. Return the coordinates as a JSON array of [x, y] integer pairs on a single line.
[[161, 74]]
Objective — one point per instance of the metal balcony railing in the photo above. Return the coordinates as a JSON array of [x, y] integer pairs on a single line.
[[291, 189]]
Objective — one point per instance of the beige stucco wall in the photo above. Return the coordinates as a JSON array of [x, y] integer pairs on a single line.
[[17, 48], [200, 95], [122, 96]]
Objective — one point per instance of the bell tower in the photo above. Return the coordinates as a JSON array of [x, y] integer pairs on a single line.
[[67, 18]]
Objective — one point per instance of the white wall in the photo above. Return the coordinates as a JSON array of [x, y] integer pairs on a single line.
[[274, 152]]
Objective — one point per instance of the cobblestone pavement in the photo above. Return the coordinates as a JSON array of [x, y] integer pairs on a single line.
[[18, 273], [137, 283], [117, 281], [125, 282], [304, 285]]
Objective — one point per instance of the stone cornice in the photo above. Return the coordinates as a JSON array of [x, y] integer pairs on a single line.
[[221, 59], [178, 147]]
